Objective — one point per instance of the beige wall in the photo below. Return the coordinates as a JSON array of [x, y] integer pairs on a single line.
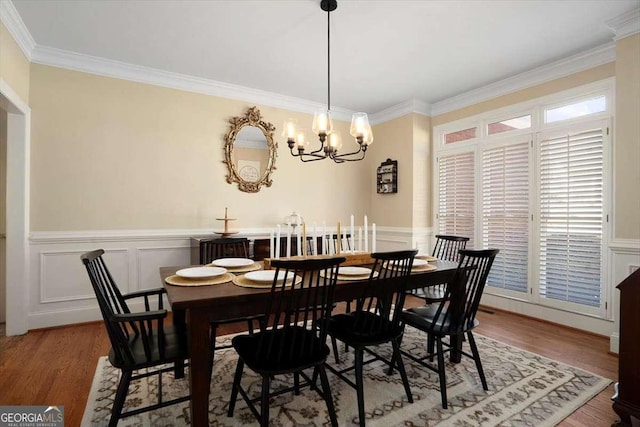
[[394, 140], [422, 173], [627, 139], [14, 66], [110, 154], [554, 86]]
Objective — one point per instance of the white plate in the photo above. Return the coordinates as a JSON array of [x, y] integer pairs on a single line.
[[265, 275], [200, 272], [353, 271], [416, 262], [232, 262]]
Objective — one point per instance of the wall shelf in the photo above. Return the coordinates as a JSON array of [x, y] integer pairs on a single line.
[[387, 181]]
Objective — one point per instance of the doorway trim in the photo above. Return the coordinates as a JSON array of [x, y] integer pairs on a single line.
[[18, 155]]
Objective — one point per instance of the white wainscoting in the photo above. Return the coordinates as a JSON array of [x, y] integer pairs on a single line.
[[60, 293]]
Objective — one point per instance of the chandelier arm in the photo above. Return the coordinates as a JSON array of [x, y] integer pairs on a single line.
[[317, 156], [341, 158]]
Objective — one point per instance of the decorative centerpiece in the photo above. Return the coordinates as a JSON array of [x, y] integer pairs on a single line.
[[226, 219]]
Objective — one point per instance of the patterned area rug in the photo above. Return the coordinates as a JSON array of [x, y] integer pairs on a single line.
[[525, 389]]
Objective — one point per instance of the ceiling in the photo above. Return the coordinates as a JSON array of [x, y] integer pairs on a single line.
[[383, 53]]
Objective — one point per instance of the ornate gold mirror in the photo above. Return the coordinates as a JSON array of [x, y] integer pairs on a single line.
[[250, 151]]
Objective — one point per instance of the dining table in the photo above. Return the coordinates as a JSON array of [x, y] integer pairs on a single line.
[[197, 307]]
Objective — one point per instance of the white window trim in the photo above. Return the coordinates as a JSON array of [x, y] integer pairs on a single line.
[[536, 108]]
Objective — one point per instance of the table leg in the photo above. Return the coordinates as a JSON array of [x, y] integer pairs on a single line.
[[179, 322], [201, 357], [456, 345]]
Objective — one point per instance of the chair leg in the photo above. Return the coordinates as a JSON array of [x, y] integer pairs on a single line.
[[403, 374], [264, 405], [476, 358], [236, 385], [359, 362], [393, 357], [431, 346], [334, 344], [121, 394], [441, 372], [178, 370], [326, 392], [296, 383]]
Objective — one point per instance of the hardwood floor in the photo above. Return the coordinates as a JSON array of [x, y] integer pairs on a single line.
[[56, 366]]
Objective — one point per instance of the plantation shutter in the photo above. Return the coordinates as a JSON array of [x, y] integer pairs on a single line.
[[571, 210], [505, 214], [456, 205]]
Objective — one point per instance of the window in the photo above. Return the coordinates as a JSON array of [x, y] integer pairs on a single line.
[[461, 135], [516, 123], [571, 209], [505, 213], [456, 204], [534, 183], [576, 109]]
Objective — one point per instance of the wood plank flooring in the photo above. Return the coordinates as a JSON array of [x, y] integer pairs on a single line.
[[56, 366]]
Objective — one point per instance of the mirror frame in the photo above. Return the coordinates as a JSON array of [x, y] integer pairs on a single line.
[[251, 118]]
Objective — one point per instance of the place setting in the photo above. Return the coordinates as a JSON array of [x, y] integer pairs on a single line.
[[236, 265], [353, 273], [262, 279], [200, 276]]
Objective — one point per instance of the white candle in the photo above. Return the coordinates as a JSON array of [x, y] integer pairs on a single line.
[[366, 235], [288, 240], [271, 245], [353, 234], [314, 246], [360, 238], [278, 241], [343, 241], [299, 244], [324, 238], [338, 248], [373, 237], [304, 239]]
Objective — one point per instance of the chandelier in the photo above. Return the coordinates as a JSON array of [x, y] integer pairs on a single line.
[[330, 141]]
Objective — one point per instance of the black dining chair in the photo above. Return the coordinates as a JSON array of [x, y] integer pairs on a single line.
[[212, 249], [375, 320], [455, 315], [446, 248], [332, 241], [139, 340], [292, 336]]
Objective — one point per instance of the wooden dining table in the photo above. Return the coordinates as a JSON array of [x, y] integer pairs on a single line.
[[199, 306]]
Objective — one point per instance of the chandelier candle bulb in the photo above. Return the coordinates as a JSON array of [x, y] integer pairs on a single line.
[[278, 241]]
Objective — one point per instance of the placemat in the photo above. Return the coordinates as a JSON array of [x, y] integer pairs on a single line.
[[217, 280], [351, 276], [246, 283]]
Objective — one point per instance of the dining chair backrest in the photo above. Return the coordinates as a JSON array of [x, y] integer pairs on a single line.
[[112, 304], [300, 301], [384, 293], [447, 247], [464, 292], [212, 249]]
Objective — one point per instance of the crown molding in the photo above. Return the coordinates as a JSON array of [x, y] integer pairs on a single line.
[[579, 62], [122, 70], [625, 25], [399, 110], [15, 25]]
